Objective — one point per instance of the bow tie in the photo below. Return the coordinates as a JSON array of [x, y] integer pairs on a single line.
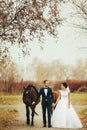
[[45, 87]]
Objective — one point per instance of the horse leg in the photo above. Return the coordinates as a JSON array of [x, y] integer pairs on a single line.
[[27, 115], [32, 120]]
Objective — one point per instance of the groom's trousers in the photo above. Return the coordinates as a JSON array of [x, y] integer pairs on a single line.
[[46, 106]]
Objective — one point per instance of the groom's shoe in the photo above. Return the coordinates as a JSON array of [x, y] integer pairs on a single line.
[[49, 126], [44, 125]]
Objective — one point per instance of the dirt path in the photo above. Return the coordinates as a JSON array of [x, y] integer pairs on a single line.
[[20, 121]]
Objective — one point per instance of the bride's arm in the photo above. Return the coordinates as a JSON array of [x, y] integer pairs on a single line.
[[69, 100]]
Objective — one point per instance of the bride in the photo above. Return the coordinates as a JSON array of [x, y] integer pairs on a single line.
[[64, 115]]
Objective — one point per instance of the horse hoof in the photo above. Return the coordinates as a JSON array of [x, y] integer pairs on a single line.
[[32, 124]]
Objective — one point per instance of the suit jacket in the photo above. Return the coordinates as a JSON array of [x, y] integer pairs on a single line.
[[49, 98]]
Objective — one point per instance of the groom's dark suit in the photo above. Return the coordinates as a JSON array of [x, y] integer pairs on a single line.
[[47, 100]]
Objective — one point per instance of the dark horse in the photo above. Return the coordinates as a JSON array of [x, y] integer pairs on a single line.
[[30, 93]]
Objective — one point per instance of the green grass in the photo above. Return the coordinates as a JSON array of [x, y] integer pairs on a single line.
[[83, 112], [6, 117], [76, 99], [79, 98], [10, 99]]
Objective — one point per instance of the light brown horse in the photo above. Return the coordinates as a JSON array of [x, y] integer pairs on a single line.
[[30, 93], [55, 95]]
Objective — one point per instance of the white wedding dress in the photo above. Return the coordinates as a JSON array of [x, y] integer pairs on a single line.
[[64, 117]]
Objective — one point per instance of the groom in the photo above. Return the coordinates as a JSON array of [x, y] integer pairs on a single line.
[[47, 102]]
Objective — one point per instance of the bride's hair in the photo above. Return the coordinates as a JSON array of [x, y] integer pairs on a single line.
[[65, 84]]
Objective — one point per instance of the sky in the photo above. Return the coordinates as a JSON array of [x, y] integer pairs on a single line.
[[67, 47]]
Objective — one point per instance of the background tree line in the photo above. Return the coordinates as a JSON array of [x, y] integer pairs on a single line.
[[12, 77]]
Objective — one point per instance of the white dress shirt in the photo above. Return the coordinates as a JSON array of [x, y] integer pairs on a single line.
[[45, 91]]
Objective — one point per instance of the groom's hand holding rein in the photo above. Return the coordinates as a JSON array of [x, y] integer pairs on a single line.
[[33, 103]]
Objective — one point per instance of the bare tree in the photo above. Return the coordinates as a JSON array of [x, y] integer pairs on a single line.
[[79, 71], [53, 71], [26, 19], [81, 6]]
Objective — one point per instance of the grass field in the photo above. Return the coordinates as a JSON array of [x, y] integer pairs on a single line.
[[79, 98], [10, 99], [83, 116], [6, 116], [76, 99]]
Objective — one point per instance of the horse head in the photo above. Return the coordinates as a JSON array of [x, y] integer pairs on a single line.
[[28, 95]]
